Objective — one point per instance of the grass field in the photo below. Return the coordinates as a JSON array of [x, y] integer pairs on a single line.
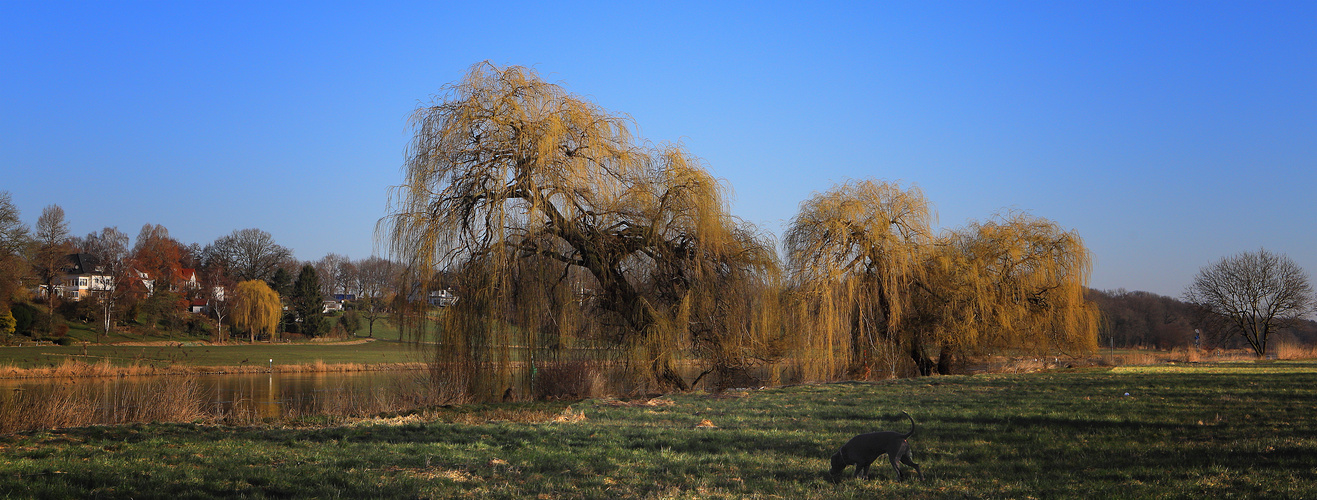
[[166, 353], [1219, 430]]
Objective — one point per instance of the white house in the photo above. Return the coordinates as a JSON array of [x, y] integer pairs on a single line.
[[82, 274]]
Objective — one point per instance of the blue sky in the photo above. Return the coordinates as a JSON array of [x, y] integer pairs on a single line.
[[1168, 134]]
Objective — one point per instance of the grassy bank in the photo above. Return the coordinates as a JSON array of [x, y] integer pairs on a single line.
[[192, 357], [1218, 430]]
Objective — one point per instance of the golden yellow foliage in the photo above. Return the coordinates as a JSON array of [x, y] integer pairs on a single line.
[[1015, 283], [256, 308], [854, 252], [873, 285]]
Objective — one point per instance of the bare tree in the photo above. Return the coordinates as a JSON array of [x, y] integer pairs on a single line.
[[332, 274], [374, 278], [249, 254], [110, 247], [1257, 292], [13, 233], [53, 246], [346, 275], [216, 287]]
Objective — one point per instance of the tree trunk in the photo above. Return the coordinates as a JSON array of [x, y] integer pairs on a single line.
[[861, 347], [667, 377], [946, 359], [920, 357]]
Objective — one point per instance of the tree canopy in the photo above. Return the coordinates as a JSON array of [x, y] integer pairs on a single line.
[[248, 254], [855, 251]]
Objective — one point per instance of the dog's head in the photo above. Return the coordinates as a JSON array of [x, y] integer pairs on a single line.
[[838, 463]]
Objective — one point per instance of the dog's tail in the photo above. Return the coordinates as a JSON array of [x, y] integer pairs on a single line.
[[912, 426]]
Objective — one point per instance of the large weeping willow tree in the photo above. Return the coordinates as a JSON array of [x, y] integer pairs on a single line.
[[874, 286], [1013, 284], [564, 236], [853, 253]]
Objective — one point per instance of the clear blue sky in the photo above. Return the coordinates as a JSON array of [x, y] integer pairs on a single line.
[[1169, 134]]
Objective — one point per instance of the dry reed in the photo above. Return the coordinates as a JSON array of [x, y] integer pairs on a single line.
[[72, 405], [1291, 351]]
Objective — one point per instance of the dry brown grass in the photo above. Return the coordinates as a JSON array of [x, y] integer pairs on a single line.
[[1137, 357], [638, 402], [164, 400], [1291, 351]]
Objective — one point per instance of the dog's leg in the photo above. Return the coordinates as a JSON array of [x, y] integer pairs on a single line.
[[902, 450], [896, 468], [862, 470], [906, 459]]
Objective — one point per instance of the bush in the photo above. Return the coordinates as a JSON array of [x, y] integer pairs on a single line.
[[350, 322], [26, 318], [568, 380], [199, 326], [80, 310]]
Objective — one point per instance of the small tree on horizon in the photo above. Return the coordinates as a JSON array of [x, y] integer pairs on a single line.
[[256, 308], [1253, 294]]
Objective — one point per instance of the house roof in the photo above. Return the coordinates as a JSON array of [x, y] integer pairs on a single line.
[[82, 263]]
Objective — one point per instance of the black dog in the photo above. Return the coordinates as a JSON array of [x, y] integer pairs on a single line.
[[863, 449]]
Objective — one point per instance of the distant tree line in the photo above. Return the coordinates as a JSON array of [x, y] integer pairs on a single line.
[[1134, 319], [154, 284]]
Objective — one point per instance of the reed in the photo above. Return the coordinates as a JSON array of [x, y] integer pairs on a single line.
[[74, 405], [1292, 351]]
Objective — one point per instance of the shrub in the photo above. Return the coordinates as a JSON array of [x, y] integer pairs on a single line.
[[350, 322], [26, 318], [568, 380]]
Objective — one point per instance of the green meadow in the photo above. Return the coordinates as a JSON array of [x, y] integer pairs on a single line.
[[199, 354], [1242, 430]]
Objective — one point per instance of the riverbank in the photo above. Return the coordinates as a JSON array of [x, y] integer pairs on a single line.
[[183, 358]]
